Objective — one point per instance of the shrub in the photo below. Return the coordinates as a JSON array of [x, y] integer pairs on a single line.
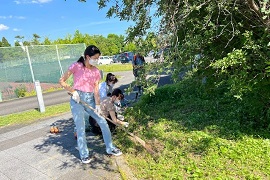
[[20, 91]]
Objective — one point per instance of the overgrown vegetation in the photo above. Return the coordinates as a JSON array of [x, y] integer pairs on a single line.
[[227, 42], [195, 134]]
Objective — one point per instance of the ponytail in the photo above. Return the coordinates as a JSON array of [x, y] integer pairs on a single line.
[[90, 51], [81, 60]]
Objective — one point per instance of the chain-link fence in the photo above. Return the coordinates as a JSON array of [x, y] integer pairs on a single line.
[[21, 66]]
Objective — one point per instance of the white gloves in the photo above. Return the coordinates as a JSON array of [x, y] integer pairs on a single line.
[[98, 110], [126, 124], [76, 97]]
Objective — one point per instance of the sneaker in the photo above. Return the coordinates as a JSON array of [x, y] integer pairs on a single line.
[[86, 160], [115, 152]]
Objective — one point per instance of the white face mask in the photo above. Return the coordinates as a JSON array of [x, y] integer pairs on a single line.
[[111, 85], [117, 102], [92, 62]]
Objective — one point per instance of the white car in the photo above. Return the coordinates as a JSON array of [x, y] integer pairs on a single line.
[[105, 60]]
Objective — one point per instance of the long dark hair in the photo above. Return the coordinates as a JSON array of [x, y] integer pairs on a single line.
[[90, 51]]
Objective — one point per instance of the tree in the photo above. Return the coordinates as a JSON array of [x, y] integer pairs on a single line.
[[47, 41], [116, 43], [78, 37], [4, 42], [35, 40], [231, 38]]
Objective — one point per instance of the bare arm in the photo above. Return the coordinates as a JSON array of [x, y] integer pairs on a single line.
[[96, 93], [115, 120], [62, 81]]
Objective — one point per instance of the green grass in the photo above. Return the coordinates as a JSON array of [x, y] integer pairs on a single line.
[[195, 135], [115, 67], [33, 115]]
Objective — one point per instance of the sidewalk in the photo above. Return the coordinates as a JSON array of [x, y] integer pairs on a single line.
[[32, 152]]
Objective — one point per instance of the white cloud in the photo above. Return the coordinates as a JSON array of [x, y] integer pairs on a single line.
[[32, 1], [12, 17], [96, 23], [43, 1], [16, 29], [19, 17], [3, 27]]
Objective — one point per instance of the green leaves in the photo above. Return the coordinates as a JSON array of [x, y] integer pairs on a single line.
[[267, 69]]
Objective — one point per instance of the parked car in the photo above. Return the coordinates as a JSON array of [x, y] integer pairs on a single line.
[[124, 59], [104, 60], [162, 52], [128, 55], [116, 58]]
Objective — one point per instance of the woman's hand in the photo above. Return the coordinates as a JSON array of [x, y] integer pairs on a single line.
[[76, 96], [98, 110]]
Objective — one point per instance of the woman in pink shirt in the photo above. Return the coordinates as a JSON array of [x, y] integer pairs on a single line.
[[86, 77]]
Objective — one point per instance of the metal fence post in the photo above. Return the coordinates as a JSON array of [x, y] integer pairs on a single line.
[[61, 69], [30, 64], [39, 96], [37, 84]]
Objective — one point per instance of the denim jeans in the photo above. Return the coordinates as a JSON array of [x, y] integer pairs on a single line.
[[86, 119], [78, 111]]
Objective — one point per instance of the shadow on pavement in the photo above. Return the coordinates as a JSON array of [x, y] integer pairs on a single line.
[[63, 145]]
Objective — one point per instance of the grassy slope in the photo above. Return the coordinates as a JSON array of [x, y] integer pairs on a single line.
[[195, 135]]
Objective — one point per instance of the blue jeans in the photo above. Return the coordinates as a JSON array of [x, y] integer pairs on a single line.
[[86, 119], [78, 111]]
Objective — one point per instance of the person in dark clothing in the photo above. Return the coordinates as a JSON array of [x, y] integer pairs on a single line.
[[138, 70]]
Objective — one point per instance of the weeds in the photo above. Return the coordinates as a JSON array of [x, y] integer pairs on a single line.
[[197, 135], [20, 91]]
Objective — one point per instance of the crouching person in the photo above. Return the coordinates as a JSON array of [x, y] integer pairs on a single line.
[[108, 110]]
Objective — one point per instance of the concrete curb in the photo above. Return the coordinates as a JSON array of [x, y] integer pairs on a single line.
[[124, 169]]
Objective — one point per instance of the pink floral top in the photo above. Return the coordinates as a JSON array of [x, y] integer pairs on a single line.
[[84, 79]]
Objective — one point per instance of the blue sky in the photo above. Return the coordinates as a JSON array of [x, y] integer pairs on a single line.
[[55, 19]]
